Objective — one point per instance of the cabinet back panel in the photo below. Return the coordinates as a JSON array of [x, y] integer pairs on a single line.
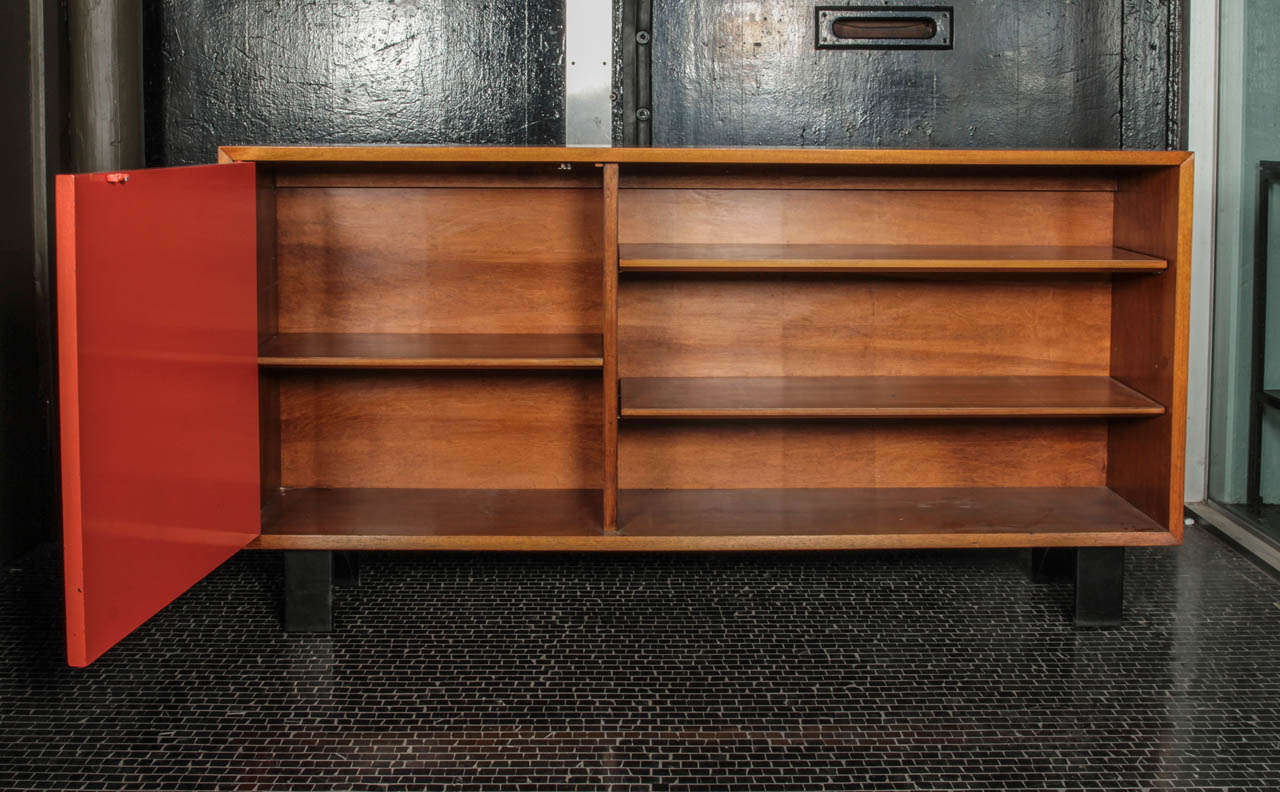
[[799, 454], [438, 260], [866, 177], [767, 325], [546, 175], [873, 217], [439, 430]]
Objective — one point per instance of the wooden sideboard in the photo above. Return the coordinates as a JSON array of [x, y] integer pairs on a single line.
[[315, 349]]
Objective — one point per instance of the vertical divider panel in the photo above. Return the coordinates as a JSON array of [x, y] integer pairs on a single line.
[[1149, 325], [610, 351]]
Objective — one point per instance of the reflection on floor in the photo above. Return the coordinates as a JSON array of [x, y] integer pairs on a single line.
[[885, 671]]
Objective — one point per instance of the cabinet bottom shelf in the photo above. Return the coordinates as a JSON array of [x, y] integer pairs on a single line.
[[748, 519], [892, 517], [400, 519]]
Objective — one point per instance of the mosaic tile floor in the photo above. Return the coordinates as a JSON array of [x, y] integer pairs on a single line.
[[884, 671]]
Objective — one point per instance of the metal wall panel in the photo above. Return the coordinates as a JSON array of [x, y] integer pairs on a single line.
[[588, 73], [345, 71], [1022, 73]]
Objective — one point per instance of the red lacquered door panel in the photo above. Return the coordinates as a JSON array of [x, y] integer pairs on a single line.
[[157, 324]]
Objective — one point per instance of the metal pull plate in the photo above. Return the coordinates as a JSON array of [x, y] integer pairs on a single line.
[[883, 27]]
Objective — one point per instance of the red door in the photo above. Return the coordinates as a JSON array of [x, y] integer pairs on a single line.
[[157, 326]]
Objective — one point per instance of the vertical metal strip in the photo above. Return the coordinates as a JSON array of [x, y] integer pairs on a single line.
[[644, 73], [588, 73], [637, 62]]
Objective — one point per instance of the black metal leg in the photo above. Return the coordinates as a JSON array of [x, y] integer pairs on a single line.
[[1052, 563], [1099, 586], [346, 569], [308, 591]]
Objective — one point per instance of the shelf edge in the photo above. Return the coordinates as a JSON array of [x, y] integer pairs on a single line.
[[431, 363], [935, 266], [621, 542], [895, 412]]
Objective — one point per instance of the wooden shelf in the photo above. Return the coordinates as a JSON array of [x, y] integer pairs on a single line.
[[747, 519], [881, 397], [903, 517], [431, 351], [883, 259], [406, 519]]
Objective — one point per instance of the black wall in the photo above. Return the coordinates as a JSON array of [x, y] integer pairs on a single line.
[[222, 72], [1022, 73], [30, 139]]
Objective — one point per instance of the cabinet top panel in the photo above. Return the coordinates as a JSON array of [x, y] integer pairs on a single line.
[[727, 156]]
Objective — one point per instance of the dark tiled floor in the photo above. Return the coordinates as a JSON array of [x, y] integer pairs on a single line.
[[937, 670]]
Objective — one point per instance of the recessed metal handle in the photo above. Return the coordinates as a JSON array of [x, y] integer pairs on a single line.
[[892, 27], [884, 28]]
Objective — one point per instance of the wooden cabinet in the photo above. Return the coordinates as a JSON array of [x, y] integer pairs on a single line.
[[314, 348]]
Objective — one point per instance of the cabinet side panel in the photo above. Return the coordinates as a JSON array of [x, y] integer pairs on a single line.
[[1149, 341]]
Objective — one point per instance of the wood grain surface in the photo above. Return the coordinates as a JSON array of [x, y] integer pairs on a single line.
[[865, 217], [881, 397], [475, 175], [1150, 324], [609, 383], [991, 259], [431, 351], [374, 512], [763, 156], [962, 510], [1047, 286], [865, 177], [424, 260], [705, 520], [724, 454], [440, 430], [758, 326]]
